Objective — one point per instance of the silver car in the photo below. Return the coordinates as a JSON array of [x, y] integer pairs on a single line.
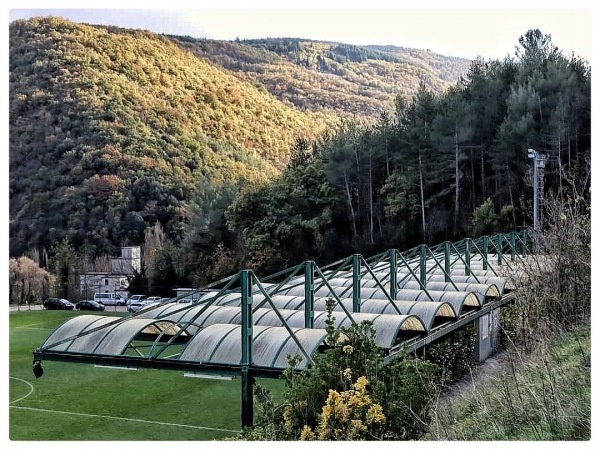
[[134, 307]]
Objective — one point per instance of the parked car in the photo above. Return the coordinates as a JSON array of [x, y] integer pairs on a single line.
[[134, 307], [149, 302], [58, 303], [165, 300], [136, 298], [110, 299], [89, 305]]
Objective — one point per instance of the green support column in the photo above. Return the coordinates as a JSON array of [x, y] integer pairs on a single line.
[[447, 267], [500, 244], [309, 294], [423, 265], [513, 246], [467, 257], [524, 242], [393, 274], [485, 252], [356, 283], [247, 378]]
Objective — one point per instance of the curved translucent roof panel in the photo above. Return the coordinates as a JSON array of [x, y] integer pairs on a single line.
[[224, 300], [347, 282], [499, 282], [458, 299], [161, 310], [387, 326], [457, 273], [485, 290], [323, 291], [95, 326], [103, 335], [221, 344], [380, 306], [428, 312], [385, 307]]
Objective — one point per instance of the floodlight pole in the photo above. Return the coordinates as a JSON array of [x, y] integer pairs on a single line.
[[539, 162], [246, 337]]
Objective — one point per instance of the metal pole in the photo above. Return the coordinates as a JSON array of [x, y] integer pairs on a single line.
[[536, 186], [500, 244], [447, 261], [513, 245], [423, 265], [467, 257], [393, 274], [247, 378], [356, 283], [539, 161], [485, 252], [309, 294]]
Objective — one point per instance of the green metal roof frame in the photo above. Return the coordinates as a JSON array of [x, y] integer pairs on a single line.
[[470, 253], [126, 331]]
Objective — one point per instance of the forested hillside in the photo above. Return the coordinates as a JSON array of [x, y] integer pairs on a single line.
[[216, 156], [440, 167], [347, 79], [110, 131]]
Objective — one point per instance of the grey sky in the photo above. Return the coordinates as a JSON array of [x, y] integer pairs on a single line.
[[460, 31]]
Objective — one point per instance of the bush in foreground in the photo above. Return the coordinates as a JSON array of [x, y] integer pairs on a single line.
[[350, 394]]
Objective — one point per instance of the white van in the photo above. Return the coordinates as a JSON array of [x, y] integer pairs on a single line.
[[110, 299]]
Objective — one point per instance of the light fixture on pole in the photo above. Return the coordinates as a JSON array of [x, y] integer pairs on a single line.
[[539, 162]]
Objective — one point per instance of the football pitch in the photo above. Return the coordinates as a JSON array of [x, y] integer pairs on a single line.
[[75, 402]]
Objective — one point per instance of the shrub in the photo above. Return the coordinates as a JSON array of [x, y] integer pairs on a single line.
[[350, 393]]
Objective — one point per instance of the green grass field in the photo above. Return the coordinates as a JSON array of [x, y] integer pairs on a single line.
[[81, 402]]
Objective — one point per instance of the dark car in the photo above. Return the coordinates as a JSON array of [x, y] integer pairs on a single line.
[[58, 303], [89, 305]]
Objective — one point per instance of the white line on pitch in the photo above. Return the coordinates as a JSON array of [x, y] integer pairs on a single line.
[[34, 328], [125, 418], [31, 389]]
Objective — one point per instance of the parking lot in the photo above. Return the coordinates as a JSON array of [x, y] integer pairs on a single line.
[[14, 308]]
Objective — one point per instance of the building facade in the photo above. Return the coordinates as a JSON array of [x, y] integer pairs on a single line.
[[117, 280]]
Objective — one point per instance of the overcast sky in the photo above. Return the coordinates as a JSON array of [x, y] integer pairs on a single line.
[[457, 30]]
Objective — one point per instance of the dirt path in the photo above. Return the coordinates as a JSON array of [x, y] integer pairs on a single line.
[[490, 366]]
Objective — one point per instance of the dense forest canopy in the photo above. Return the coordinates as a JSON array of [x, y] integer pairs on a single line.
[[348, 80], [245, 155], [111, 129], [437, 167]]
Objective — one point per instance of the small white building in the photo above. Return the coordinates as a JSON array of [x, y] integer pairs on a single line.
[[116, 280], [97, 282], [129, 262]]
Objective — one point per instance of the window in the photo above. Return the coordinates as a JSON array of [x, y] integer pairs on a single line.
[[106, 282]]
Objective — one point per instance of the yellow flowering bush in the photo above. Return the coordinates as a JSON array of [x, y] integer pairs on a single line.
[[351, 414], [307, 434], [350, 393]]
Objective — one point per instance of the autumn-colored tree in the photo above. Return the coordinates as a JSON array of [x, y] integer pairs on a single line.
[[28, 283]]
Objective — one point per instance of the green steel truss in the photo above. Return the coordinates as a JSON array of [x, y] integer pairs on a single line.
[[162, 350]]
